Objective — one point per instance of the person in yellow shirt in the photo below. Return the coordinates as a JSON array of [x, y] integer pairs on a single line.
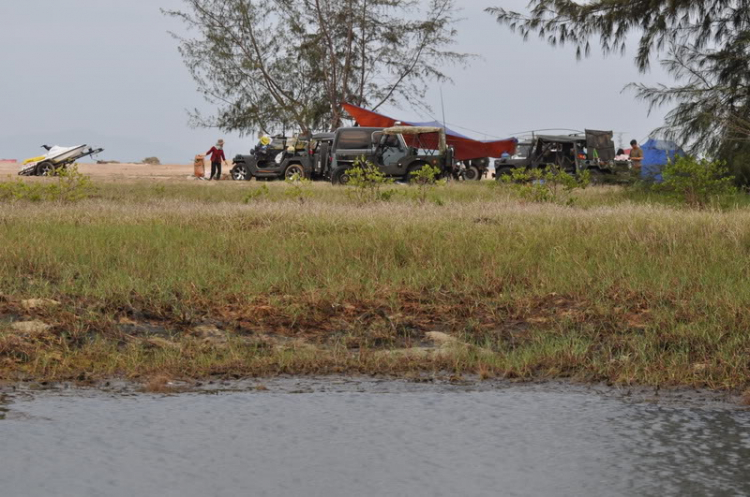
[[636, 155]]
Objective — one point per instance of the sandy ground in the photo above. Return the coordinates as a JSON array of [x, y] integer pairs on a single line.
[[104, 172], [123, 171]]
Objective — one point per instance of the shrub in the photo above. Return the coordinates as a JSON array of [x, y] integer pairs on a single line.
[[71, 186], [368, 182], [257, 194], [550, 184], [426, 178], [696, 181], [299, 188]]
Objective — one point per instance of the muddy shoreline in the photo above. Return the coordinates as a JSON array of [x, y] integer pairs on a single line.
[[672, 397]]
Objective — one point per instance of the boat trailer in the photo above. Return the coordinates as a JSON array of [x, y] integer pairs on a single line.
[[56, 158]]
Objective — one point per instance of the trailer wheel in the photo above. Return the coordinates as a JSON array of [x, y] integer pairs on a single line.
[[240, 173], [294, 169], [340, 176], [472, 174], [45, 169]]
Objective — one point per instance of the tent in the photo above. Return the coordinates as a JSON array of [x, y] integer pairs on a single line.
[[464, 147], [656, 155]]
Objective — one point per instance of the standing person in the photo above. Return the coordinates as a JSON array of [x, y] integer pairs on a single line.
[[217, 157], [636, 155]]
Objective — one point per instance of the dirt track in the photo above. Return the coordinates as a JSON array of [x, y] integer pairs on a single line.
[[122, 171]]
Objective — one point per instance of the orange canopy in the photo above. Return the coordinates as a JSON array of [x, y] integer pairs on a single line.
[[465, 148]]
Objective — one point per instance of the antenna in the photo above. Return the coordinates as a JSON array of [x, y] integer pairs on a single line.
[[442, 104]]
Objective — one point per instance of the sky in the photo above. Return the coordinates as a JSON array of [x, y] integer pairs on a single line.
[[108, 73]]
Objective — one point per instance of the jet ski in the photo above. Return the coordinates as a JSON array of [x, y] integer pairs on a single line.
[[57, 157]]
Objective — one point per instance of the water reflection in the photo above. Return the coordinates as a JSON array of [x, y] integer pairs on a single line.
[[429, 442]]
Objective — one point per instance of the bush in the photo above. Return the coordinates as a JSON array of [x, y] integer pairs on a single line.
[[257, 194], [550, 184], [426, 178], [299, 188], [71, 186], [367, 182], [696, 182]]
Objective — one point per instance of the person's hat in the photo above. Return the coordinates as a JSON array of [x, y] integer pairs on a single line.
[[265, 140]]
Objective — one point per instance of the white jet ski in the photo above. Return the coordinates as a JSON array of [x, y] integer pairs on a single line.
[[56, 157]]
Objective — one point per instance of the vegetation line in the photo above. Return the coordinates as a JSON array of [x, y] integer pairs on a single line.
[[192, 281]]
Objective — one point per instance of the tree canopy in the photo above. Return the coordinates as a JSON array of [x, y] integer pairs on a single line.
[[703, 44], [291, 63]]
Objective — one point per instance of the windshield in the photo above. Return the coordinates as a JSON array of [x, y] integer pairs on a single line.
[[523, 150]]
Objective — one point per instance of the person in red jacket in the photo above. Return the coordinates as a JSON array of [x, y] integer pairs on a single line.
[[217, 158]]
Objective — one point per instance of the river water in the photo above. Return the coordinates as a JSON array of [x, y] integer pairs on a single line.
[[390, 438]]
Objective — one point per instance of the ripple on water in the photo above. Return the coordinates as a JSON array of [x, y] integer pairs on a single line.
[[515, 442]]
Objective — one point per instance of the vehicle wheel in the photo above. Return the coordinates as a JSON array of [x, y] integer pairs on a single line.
[[240, 173], [413, 169], [45, 169], [293, 169], [472, 174], [340, 177], [596, 175], [503, 171]]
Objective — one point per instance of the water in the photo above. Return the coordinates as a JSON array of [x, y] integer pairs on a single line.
[[388, 439]]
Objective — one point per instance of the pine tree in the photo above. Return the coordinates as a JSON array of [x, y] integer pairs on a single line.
[[703, 44], [269, 64]]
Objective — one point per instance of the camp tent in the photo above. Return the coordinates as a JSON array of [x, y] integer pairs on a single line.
[[465, 148], [656, 155]]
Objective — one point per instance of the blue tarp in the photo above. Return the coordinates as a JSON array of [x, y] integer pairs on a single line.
[[656, 155]]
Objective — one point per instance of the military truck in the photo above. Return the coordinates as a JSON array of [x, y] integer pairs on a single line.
[[397, 151], [592, 151]]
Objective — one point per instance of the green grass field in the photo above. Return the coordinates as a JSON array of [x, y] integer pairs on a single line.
[[624, 287]]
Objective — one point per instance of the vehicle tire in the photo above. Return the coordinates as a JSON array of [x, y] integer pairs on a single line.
[[472, 173], [45, 169], [596, 175], [240, 173], [340, 176], [503, 171], [293, 169], [412, 169]]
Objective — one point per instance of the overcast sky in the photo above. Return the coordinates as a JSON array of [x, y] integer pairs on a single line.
[[107, 73]]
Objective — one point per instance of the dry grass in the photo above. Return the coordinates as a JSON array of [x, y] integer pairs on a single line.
[[616, 289]]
